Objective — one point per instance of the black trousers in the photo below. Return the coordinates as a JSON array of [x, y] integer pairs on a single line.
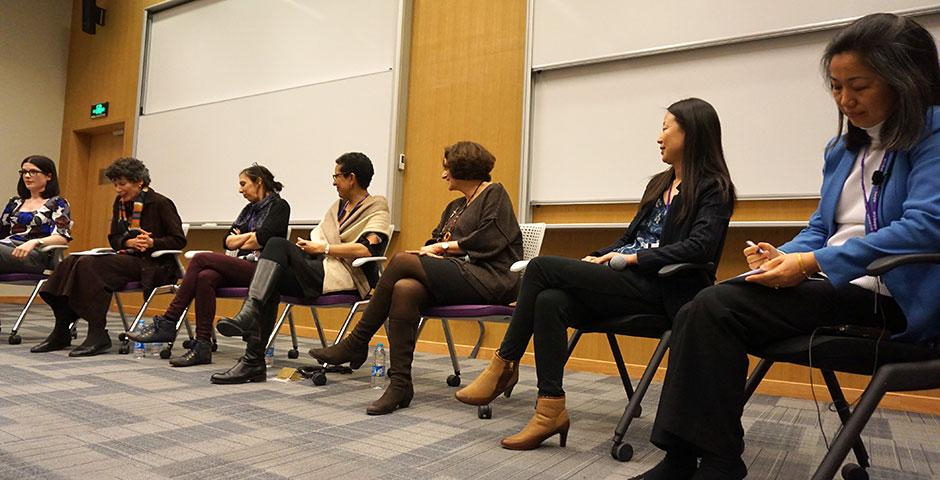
[[703, 394], [557, 293]]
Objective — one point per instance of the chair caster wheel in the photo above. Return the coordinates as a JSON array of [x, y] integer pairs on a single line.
[[852, 471], [15, 339], [293, 354], [187, 344], [74, 332], [165, 353], [485, 412], [622, 452], [124, 350], [122, 337], [453, 381], [319, 379]]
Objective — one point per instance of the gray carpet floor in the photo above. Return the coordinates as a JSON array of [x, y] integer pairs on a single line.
[[114, 416]]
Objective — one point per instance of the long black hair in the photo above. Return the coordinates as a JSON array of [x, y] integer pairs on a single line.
[[902, 53], [48, 167], [703, 157], [257, 173]]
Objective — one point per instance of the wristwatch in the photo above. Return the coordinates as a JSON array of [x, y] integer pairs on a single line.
[[445, 245], [39, 242]]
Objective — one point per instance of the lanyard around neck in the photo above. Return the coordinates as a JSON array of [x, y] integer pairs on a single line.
[[871, 201]]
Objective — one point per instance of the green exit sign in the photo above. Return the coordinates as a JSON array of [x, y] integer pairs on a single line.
[[99, 110]]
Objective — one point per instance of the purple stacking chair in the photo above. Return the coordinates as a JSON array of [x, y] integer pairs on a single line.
[[36, 280], [532, 236]]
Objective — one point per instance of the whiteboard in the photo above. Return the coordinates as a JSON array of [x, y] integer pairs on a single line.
[[593, 128], [571, 30], [289, 84], [194, 154], [211, 50]]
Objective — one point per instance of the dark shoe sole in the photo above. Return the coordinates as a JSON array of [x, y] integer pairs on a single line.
[[49, 348], [239, 381], [90, 352], [135, 338], [229, 329], [190, 364]]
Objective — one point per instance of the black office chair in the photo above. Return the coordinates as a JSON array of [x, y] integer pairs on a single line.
[[898, 367], [645, 326]]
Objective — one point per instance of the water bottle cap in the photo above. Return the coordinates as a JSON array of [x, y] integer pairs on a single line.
[[379, 344]]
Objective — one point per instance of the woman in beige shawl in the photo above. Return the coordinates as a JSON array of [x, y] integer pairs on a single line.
[[357, 225]]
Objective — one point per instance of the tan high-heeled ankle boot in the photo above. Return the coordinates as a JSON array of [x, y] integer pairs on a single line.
[[550, 418], [499, 377]]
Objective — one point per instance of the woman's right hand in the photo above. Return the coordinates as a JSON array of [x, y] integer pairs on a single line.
[[755, 259]]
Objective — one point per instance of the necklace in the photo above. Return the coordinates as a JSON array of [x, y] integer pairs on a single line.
[[455, 215]]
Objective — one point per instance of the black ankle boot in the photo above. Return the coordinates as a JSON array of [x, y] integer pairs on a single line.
[[161, 330], [262, 288], [250, 368], [61, 336], [199, 353]]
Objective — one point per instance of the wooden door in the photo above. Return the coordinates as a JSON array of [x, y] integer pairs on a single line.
[[91, 203]]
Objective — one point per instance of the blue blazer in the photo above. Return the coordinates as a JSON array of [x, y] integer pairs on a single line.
[[909, 222]]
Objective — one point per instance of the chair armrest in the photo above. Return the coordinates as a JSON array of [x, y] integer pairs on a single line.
[[160, 253], [884, 264], [49, 248], [670, 270], [364, 260], [100, 250], [519, 266], [192, 253]]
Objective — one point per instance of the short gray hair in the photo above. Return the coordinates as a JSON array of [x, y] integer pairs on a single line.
[[129, 168]]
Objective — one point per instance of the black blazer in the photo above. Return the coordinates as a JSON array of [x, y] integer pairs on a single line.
[[698, 238]]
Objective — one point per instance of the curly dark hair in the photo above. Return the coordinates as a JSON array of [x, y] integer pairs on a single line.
[[469, 161], [358, 164], [47, 166], [128, 168]]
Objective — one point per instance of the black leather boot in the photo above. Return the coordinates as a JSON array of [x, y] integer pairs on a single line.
[[160, 330], [402, 336], [250, 368], [199, 353], [61, 337], [262, 286]]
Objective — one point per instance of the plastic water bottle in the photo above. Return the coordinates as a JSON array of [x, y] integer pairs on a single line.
[[378, 368], [269, 357], [140, 350], [153, 349]]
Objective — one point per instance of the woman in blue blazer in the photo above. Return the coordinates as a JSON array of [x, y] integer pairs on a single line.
[[880, 196]]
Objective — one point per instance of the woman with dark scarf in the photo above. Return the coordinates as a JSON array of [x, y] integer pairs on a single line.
[[143, 221], [266, 216]]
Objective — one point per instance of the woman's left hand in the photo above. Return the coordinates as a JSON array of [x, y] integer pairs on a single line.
[[785, 270], [310, 247], [605, 259], [23, 250]]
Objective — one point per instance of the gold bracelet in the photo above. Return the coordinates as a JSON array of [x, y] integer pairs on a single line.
[[799, 258]]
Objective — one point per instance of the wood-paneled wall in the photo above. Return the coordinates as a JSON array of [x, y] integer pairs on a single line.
[[466, 82]]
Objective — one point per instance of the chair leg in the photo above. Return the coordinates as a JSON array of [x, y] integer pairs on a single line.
[[842, 407], [633, 406], [316, 323], [143, 308], [120, 305], [277, 326], [29, 303], [756, 376], [476, 346], [352, 313], [453, 352], [572, 342], [621, 367], [847, 437], [421, 322]]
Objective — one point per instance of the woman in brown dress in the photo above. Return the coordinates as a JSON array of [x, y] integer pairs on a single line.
[[142, 222], [466, 261]]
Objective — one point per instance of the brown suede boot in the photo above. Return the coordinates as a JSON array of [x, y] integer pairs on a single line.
[[499, 377], [354, 349], [402, 336], [550, 418]]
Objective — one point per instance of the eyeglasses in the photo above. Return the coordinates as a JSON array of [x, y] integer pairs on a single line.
[[30, 173], [335, 175]]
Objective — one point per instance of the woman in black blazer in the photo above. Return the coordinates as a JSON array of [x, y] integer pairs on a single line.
[[683, 217]]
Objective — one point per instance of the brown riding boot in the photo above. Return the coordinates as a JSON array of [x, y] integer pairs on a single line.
[[550, 418], [499, 377], [402, 336], [354, 349]]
